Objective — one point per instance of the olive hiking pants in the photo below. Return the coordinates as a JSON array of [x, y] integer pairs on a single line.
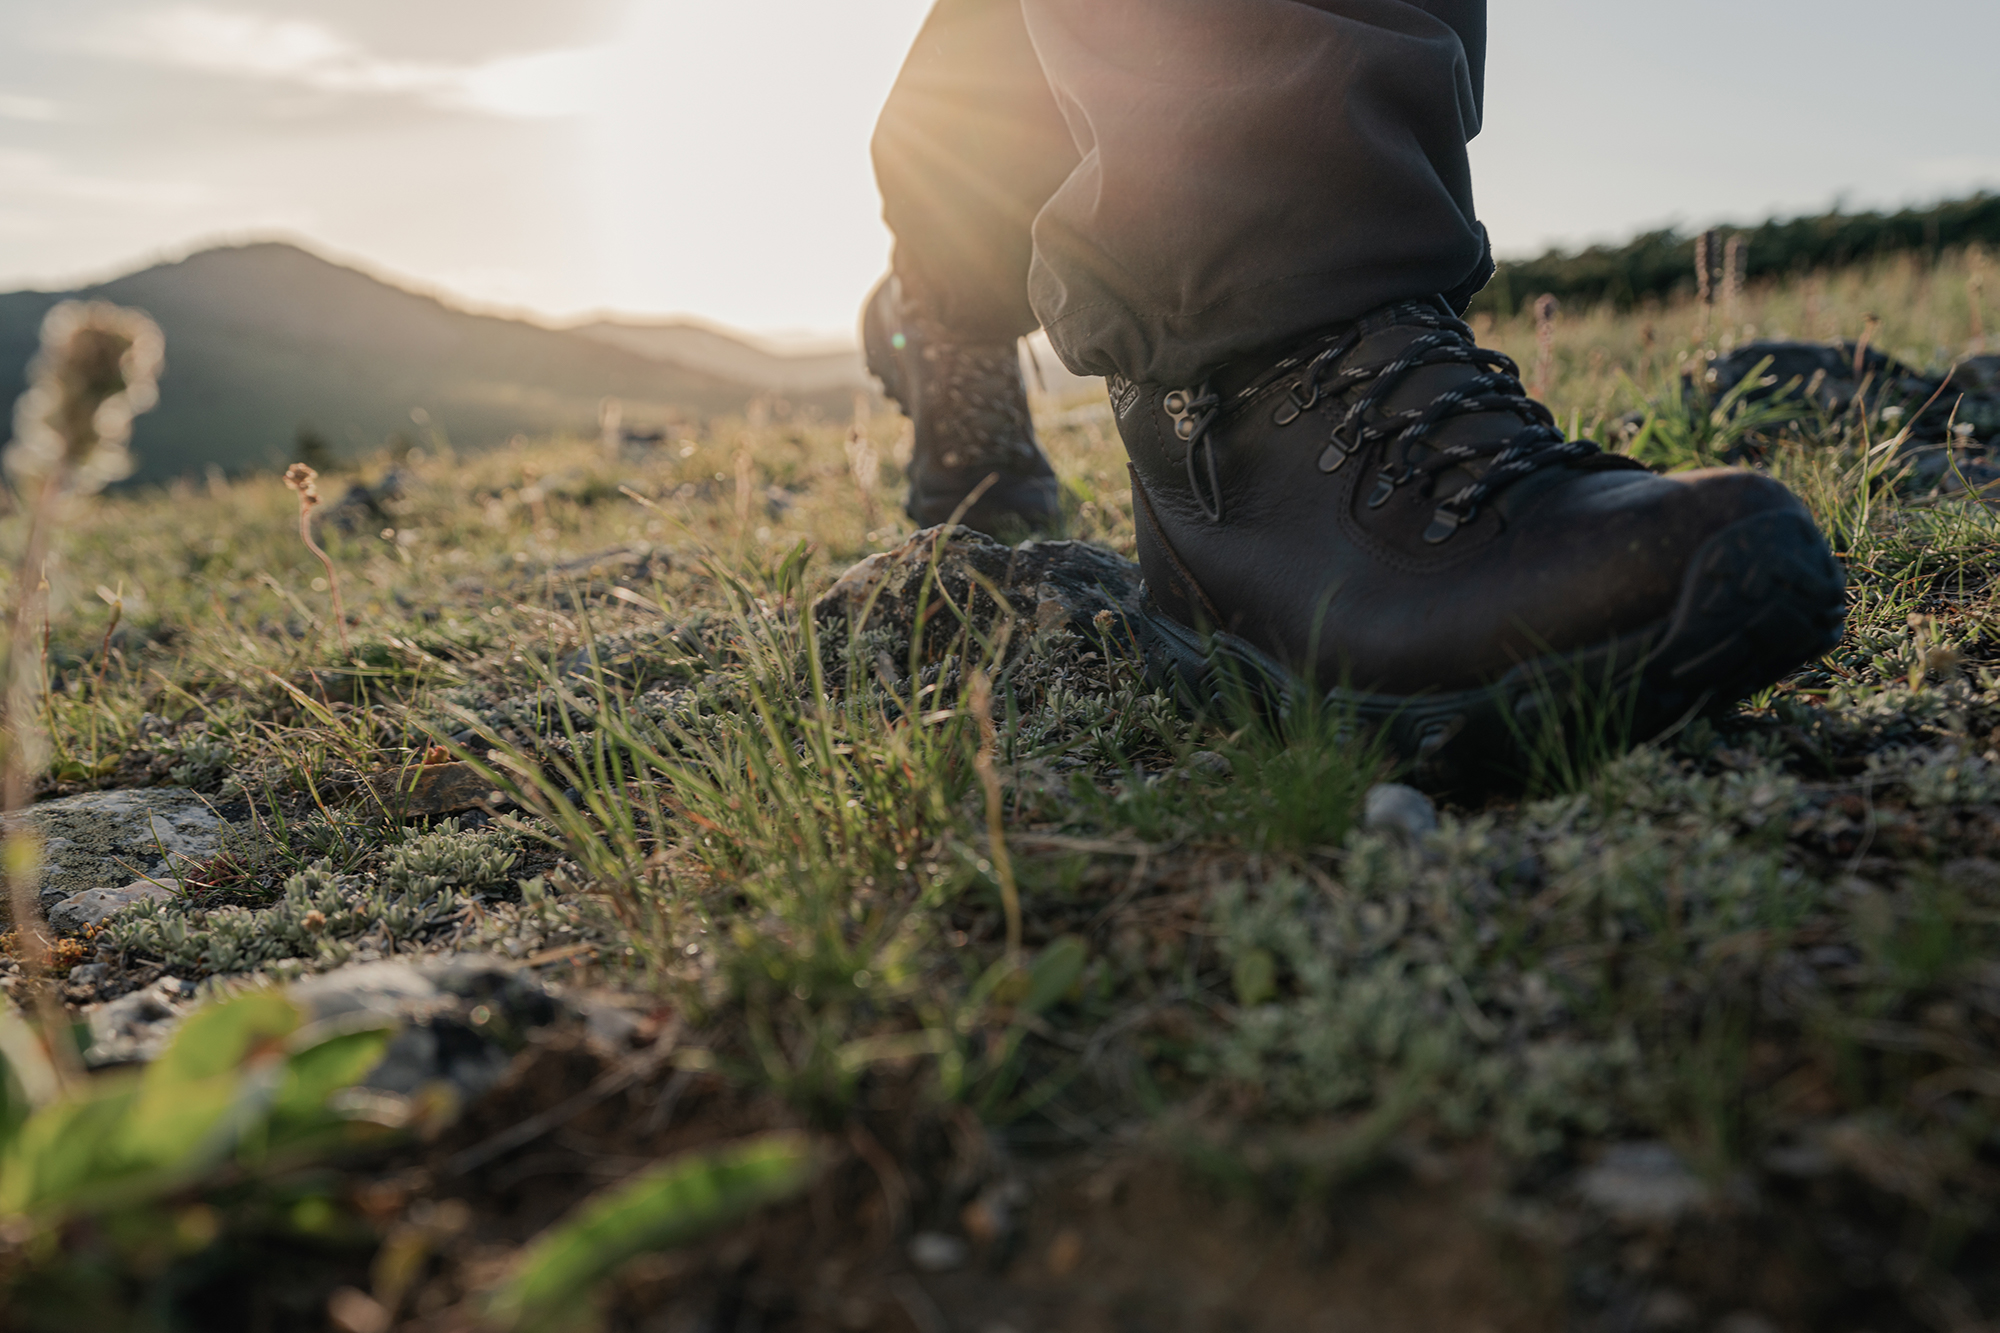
[[1166, 185]]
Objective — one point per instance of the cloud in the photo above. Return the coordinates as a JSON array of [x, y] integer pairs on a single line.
[[16, 107], [300, 53], [41, 200]]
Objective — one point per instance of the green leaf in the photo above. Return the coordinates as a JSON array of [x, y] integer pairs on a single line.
[[69, 1150], [675, 1203], [219, 1075], [27, 1077], [1055, 971], [323, 1068], [219, 1038]]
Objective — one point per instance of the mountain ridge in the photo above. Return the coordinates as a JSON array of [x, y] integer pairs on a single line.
[[266, 339]]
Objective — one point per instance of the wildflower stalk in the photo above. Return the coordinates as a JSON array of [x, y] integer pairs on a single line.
[[1545, 345], [300, 478], [97, 369]]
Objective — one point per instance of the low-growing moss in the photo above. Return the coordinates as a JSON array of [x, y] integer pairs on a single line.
[[321, 914]]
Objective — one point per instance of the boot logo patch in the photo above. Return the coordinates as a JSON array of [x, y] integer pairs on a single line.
[[1124, 394]]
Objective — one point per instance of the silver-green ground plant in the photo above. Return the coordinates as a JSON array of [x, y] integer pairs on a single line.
[[1766, 937]]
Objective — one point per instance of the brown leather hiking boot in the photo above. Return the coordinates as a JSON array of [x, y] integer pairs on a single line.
[[969, 410], [1385, 511]]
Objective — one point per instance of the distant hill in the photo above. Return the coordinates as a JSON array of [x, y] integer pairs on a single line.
[[266, 339], [699, 347]]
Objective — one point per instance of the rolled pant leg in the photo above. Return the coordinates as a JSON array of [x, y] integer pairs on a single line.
[[967, 151], [1251, 170]]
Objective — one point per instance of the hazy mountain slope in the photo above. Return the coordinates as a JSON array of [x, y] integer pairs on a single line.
[[263, 339], [700, 348]]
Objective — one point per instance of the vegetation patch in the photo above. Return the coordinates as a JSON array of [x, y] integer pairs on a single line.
[[914, 862]]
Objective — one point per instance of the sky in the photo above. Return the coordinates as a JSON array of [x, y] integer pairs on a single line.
[[659, 157]]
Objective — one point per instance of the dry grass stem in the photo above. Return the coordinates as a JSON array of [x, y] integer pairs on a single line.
[[996, 821], [302, 480]]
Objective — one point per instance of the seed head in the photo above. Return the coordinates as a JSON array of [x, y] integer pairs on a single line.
[[98, 368], [305, 481]]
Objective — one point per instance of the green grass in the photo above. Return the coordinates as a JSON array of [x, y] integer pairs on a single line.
[[1767, 930]]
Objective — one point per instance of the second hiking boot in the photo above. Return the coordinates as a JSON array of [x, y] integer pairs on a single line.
[[1384, 511], [968, 408]]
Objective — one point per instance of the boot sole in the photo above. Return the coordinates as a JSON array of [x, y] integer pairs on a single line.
[[1761, 598]]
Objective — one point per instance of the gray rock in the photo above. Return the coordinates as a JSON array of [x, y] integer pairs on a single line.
[[1642, 1184], [1829, 377], [108, 839], [1047, 585], [391, 989], [1667, 1310], [1745, 1321], [90, 907], [136, 1027], [1208, 764], [463, 1018], [1390, 807], [935, 1252]]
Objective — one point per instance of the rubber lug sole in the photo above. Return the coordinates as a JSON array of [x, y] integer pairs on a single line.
[[1761, 598]]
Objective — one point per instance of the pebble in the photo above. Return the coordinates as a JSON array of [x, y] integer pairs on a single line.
[[1642, 1184], [935, 1252], [136, 1027], [1391, 807], [89, 908], [1208, 764], [1745, 1321]]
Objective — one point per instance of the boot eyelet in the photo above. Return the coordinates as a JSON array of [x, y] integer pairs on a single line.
[[1299, 400], [1444, 522], [1176, 403], [1386, 483], [1185, 428], [1337, 451]]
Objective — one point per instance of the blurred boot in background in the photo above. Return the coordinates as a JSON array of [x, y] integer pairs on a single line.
[[969, 148]]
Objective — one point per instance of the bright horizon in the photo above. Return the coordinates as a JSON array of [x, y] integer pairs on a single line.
[[664, 159]]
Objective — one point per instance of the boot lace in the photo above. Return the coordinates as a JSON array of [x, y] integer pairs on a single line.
[[1494, 464]]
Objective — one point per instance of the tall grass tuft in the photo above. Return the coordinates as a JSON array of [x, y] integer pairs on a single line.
[[98, 368]]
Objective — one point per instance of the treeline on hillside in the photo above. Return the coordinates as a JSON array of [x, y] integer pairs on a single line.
[[1661, 263]]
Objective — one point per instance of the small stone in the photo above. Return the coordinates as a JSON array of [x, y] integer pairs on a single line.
[[1666, 1311], [137, 1026], [1391, 807], [443, 1039], [89, 908], [1066, 1252], [1208, 764], [1745, 1321], [1642, 1184], [935, 1252], [86, 974], [434, 789]]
